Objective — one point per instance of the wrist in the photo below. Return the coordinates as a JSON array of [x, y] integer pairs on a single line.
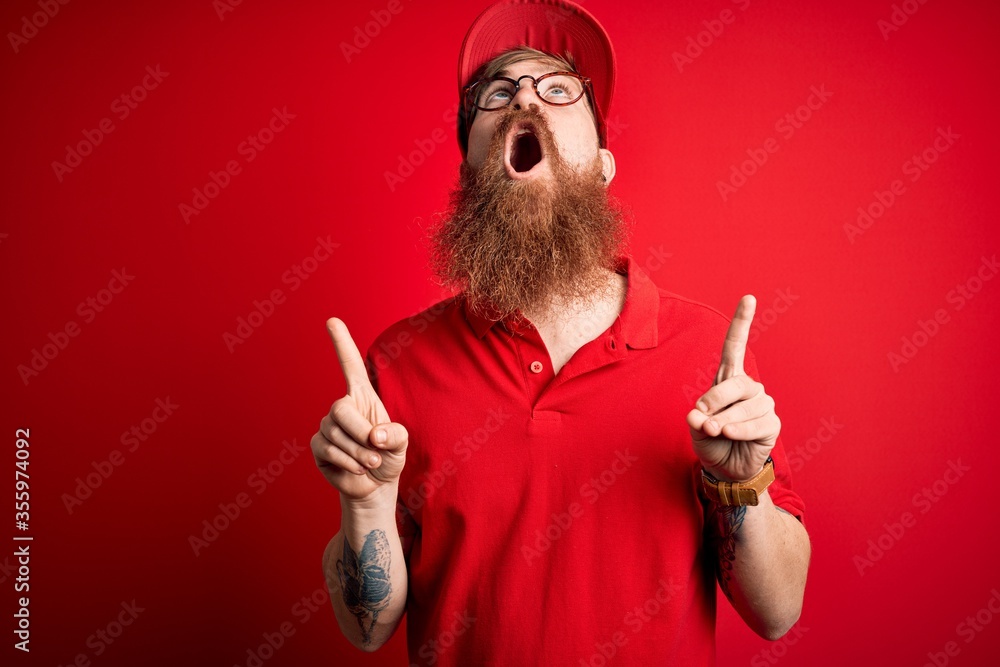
[[378, 502], [359, 517], [731, 493], [718, 476]]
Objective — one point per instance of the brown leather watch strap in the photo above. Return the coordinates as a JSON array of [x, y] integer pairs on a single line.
[[730, 494]]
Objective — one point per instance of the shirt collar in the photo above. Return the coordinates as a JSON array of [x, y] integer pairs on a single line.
[[636, 324]]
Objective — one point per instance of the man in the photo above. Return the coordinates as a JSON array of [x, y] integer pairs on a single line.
[[523, 468]]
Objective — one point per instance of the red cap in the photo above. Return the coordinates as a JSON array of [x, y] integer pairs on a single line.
[[552, 26]]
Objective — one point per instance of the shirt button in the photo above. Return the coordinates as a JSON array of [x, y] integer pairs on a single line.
[[536, 367]]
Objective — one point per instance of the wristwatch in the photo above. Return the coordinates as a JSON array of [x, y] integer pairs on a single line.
[[729, 494]]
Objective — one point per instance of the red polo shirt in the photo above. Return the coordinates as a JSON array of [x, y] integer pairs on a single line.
[[555, 518]]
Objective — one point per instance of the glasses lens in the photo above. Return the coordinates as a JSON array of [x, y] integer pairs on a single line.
[[560, 89], [493, 94]]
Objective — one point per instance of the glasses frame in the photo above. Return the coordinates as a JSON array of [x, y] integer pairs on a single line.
[[471, 107]]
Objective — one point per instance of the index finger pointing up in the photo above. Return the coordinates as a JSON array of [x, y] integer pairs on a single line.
[[351, 363], [735, 347]]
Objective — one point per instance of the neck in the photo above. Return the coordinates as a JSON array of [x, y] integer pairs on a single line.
[[596, 308]]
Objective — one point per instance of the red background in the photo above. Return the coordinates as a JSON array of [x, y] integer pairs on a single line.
[[324, 175]]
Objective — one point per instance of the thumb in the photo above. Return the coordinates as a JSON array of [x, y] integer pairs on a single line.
[[390, 436], [351, 363]]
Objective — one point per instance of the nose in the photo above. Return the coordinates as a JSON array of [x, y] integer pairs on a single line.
[[525, 95]]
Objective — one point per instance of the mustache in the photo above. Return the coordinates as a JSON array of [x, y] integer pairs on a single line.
[[530, 117]]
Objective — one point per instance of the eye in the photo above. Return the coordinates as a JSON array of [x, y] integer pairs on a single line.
[[495, 94], [560, 89]]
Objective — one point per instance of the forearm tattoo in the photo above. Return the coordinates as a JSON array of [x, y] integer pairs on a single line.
[[364, 579], [727, 522]]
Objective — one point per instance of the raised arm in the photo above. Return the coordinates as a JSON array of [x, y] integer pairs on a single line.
[[763, 551], [363, 563]]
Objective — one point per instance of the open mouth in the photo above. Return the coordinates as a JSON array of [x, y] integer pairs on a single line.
[[525, 149]]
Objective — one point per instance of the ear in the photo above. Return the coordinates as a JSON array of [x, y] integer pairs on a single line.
[[607, 165]]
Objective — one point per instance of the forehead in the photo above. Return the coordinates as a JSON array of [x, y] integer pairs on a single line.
[[534, 67]]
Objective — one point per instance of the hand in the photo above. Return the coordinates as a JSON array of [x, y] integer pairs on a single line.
[[346, 448], [733, 425]]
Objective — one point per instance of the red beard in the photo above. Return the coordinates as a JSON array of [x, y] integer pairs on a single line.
[[522, 246]]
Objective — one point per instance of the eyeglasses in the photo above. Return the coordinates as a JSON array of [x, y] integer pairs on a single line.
[[558, 89]]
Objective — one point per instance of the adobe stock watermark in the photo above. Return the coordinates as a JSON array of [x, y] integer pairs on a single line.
[[957, 297], [462, 450], [804, 452], [105, 636], [248, 149], [223, 7], [900, 14], [363, 34], [22, 617], [556, 14], [923, 500], [7, 569], [389, 351], [594, 325], [634, 620], [294, 277], [259, 481], [702, 382], [424, 147], [777, 650], [431, 650], [786, 127], [913, 168], [615, 128], [656, 260], [121, 108], [59, 340], [131, 439], [713, 29], [30, 26], [591, 491], [765, 318], [967, 630], [271, 642]]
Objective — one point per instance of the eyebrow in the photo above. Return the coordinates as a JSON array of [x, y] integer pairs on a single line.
[[506, 71]]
